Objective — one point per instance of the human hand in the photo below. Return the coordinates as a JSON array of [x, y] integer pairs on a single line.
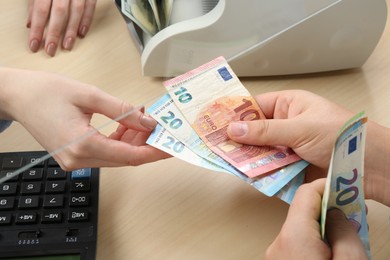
[[300, 236], [309, 124], [57, 111], [63, 20], [298, 119]]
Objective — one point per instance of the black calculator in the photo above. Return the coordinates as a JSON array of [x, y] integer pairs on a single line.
[[47, 213]]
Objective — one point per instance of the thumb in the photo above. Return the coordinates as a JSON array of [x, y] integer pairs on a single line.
[[343, 237], [265, 132]]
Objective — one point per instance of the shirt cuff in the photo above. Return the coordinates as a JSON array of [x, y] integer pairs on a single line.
[[4, 124]]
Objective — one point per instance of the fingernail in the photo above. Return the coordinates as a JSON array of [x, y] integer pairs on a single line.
[[83, 31], [238, 128], [69, 42], [34, 45], [51, 49], [148, 122]]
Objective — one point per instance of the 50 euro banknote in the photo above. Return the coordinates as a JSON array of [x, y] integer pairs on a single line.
[[210, 97]]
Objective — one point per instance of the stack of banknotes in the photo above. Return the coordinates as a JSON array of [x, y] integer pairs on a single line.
[[151, 16], [193, 117]]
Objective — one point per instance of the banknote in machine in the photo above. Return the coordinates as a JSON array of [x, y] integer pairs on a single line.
[[344, 185], [141, 13], [162, 10], [210, 97], [167, 6]]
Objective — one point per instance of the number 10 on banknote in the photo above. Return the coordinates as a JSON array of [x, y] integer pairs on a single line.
[[210, 97]]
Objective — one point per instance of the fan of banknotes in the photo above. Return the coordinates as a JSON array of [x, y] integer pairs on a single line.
[[151, 16], [193, 117], [192, 121]]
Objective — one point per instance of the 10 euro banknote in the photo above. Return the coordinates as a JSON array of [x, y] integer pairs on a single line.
[[210, 97]]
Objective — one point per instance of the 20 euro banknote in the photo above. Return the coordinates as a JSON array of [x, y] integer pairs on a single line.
[[344, 185]]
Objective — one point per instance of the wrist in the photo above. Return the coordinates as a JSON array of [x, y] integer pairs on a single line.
[[377, 164], [6, 96]]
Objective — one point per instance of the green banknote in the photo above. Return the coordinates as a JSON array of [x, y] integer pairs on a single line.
[[344, 185], [141, 13]]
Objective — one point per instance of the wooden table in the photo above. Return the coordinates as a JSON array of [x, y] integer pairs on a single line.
[[170, 209]]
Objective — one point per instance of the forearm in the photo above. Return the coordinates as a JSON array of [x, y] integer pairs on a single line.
[[377, 164], [6, 96]]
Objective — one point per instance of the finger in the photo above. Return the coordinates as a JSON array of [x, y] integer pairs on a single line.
[[98, 151], [300, 237], [306, 205], [39, 16], [87, 17], [114, 108], [280, 105], [58, 18], [343, 237], [76, 11], [267, 132], [30, 6]]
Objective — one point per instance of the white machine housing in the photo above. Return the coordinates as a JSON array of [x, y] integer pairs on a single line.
[[263, 37]]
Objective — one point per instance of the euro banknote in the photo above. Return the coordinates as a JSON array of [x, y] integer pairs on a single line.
[[172, 122], [344, 185], [141, 13], [165, 112], [151, 16], [271, 184], [163, 140], [210, 97], [287, 193]]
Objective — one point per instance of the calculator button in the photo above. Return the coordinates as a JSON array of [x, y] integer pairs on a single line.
[[33, 174], [29, 234], [7, 174], [55, 187], [5, 219], [80, 186], [78, 215], [79, 200], [30, 188], [55, 173], [26, 218], [51, 216], [7, 203], [28, 202], [38, 162], [72, 232], [81, 174], [52, 162], [53, 201], [12, 162], [8, 188]]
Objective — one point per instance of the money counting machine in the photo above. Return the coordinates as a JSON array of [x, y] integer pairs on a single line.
[[262, 37]]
